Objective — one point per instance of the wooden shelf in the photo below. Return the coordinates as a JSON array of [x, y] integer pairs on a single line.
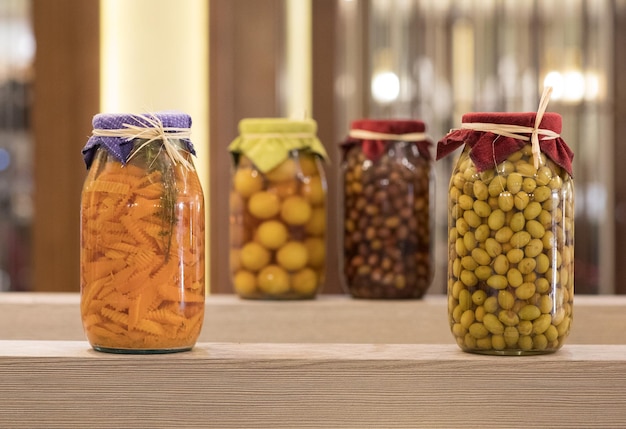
[[331, 362]]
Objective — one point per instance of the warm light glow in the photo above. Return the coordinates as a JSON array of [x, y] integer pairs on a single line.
[[555, 80], [385, 87], [592, 87], [299, 62], [573, 86]]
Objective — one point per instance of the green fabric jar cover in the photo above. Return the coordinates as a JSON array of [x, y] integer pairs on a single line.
[[267, 142]]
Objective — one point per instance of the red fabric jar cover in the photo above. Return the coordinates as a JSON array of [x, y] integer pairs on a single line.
[[373, 135], [487, 147]]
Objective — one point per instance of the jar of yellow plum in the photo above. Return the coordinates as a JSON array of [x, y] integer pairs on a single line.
[[510, 234], [277, 210], [142, 235]]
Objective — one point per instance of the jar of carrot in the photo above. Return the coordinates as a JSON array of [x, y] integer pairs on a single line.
[[142, 235], [277, 210]]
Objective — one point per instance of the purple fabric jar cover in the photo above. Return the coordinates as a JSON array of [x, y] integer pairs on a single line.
[[121, 147]]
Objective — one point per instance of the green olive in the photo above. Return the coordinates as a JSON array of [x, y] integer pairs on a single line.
[[483, 272], [506, 299], [532, 210], [518, 222], [496, 220], [508, 317], [467, 318], [514, 182], [497, 282], [525, 291], [493, 325], [481, 208], [535, 229], [529, 312], [500, 264], [506, 201], [514, 277], [493, 247], [478, 330], [481, 191], [521, 200]]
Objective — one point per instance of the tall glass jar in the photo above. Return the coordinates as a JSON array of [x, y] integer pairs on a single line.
[[388, 184], [277, 210], [511, 234], [142, 235]]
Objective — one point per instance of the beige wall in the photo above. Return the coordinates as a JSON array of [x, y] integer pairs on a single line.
[[158, 61]]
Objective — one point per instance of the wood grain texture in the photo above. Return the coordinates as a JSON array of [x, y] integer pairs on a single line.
[[332, 362], [66, 96], [226, 385], [245, 51]]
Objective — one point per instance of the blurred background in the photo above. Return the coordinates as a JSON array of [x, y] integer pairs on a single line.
[[62, 62]]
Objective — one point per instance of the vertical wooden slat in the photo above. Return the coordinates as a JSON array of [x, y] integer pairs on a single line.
[[324, 54], [66, 97], [619, 131], [245, 48]]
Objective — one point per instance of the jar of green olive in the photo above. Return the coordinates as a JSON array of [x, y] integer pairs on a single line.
[[510, 234], [277, 209], [387, 184]]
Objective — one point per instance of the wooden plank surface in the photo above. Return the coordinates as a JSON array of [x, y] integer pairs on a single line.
[[328, 319], [331, 362], [61, 384]]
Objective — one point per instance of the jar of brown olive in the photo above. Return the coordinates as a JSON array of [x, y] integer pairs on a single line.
[[387, 184], [510, 234], [277, 209]]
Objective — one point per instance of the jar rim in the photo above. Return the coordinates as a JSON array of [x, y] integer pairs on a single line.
[[550, 120], [168, 118], [277, 125], [391, 126]]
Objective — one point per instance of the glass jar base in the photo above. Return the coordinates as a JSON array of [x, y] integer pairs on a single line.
[[140, 351], [511, 352]]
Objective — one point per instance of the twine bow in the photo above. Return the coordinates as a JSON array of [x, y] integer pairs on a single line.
[[152, 131], [521, 132], [373, 135], [373, 142]]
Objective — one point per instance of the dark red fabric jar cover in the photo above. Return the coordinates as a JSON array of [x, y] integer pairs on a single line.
[[373, 149], [487, 147]]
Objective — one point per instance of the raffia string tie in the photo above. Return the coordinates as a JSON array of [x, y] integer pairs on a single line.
[[152, 131], [520, 132], [372, 135]]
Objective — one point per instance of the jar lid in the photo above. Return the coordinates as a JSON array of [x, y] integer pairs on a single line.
[[115, 132], [374, 134], [493, 136], [169, 119], [395, 127], [267, 142]]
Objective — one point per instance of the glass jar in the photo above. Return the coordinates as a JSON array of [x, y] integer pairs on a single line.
[[142, 235], [510, 234], [388, 185], [277, 210]]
